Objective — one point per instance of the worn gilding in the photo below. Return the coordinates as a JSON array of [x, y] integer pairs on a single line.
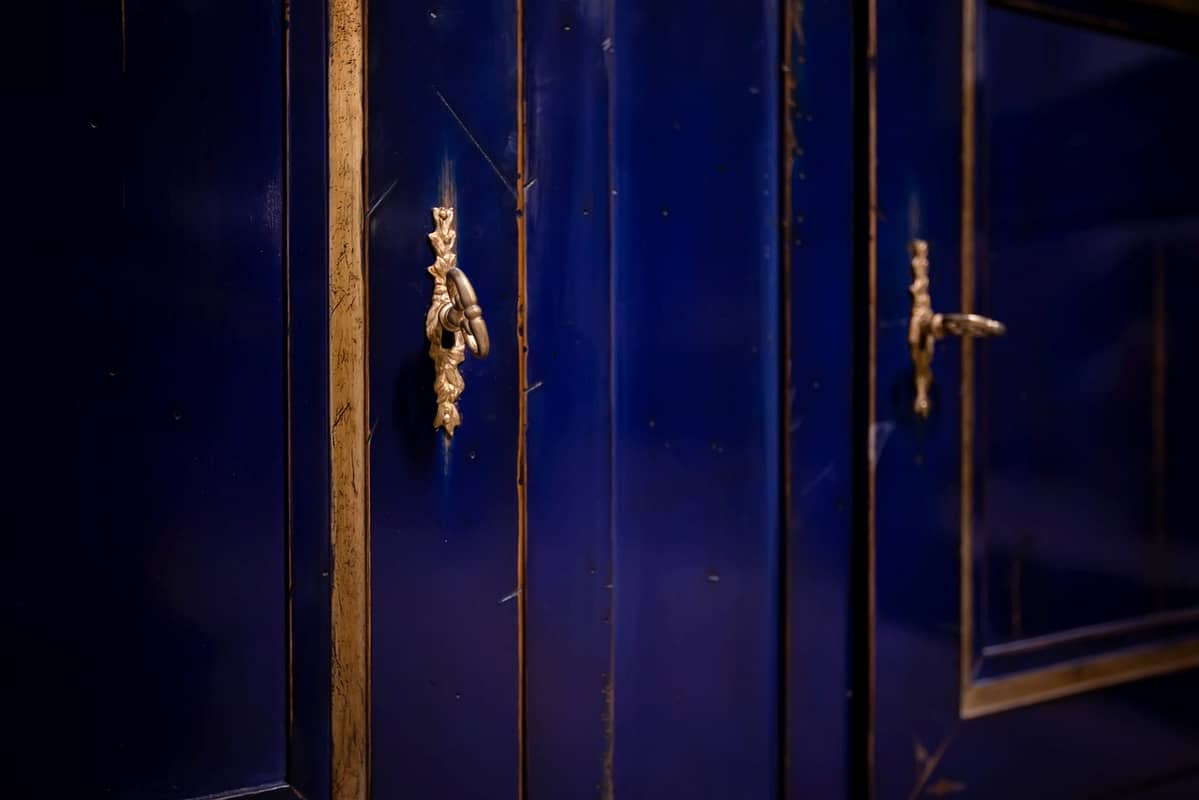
[[347, 402]]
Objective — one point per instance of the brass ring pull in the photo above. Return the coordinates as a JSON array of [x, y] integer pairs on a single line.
[[465, 314], [453, 323], [926, 327]]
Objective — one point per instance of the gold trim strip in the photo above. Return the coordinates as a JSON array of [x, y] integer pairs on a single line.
[[1075, 677], [522, 458], [347, 403], [1102, 630], [969, 53], [522, 465]]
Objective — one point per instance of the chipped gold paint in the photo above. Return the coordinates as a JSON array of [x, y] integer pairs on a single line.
[[926, 766]]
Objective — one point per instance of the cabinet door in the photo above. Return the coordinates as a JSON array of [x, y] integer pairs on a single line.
[[1037, 604], [168, 632], [444, 513], [578, 592], [653, 404]]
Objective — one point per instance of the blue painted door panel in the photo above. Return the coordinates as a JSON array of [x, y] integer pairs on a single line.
[[695, 398], [149, 601], [1024, 605], [441, 118], [570, 585], [652, 629]]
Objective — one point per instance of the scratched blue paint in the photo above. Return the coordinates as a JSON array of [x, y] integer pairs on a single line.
[[442, 93], [820, 402], [570, 575]]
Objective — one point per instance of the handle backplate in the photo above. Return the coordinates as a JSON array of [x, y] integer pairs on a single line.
[[454, 322]]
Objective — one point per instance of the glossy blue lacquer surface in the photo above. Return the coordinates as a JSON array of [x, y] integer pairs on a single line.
[[820, 406], [1081, 184], [308, 385], [919, 177], [570, 579], [149, 598], [443, 517], [695, 168]]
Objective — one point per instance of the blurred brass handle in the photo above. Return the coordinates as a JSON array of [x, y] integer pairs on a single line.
[[926, 327], [453, 323], [966, 325]]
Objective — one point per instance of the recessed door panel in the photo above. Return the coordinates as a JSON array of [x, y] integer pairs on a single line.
[[696, 399]]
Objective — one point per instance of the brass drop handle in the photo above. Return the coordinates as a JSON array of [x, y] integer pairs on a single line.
[[453, 323], [464, 313], [926, 327]]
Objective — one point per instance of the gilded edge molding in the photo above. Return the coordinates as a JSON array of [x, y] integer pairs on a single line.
[[967, 265], [347, 404]]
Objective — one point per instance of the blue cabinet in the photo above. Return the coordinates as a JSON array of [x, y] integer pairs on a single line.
[[713, 518]]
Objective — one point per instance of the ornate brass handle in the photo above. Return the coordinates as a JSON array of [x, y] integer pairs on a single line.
[[454, 322], [464, 313], [926, 327]]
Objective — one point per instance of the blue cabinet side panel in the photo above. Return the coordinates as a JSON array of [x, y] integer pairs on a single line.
[[441, 121], [695, 97], [150, 598]]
